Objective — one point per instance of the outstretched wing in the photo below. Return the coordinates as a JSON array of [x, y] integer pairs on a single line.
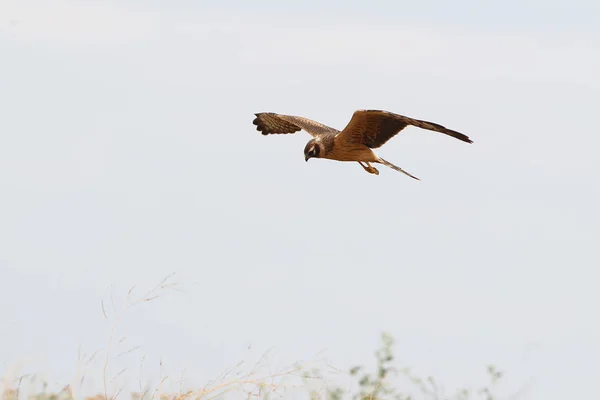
[[375, 127], [270, 123]]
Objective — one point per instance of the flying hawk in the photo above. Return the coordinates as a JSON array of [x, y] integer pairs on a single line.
[[367, 130]]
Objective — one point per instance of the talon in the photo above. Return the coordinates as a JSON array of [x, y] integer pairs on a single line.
[[369, 168]]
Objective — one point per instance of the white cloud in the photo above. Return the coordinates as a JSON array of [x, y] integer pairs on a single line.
[[75, 21], [383, 47], [275, 40], [267, 40]]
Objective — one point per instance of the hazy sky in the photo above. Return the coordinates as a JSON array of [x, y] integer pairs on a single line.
[[128, 153]]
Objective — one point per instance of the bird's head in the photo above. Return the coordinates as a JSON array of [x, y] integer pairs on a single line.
[[312, 150]]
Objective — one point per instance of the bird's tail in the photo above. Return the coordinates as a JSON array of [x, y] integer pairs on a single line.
[[392, 166]]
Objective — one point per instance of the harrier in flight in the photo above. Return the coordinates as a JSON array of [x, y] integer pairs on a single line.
[[367, 130]]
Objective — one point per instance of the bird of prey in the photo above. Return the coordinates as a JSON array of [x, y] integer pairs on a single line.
[[367, 130]]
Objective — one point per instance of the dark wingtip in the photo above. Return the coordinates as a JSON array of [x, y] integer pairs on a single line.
[[459, 136], [462, 137], [259, 127]]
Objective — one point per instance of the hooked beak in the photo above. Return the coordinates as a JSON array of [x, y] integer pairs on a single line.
[[306, 157]]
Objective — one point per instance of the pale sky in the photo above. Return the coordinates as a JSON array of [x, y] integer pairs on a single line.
[[128, 153]]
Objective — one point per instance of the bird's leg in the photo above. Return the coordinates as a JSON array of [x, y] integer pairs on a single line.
[[373, 170], [369, 168]]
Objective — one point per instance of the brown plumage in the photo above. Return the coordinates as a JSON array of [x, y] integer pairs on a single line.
[[366, 130]]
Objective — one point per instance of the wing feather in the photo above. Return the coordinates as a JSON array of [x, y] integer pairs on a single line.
[[271, 123], [374, 128]]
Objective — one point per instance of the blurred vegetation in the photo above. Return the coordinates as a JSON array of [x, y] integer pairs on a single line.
[[379, 384], [383, 383]]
